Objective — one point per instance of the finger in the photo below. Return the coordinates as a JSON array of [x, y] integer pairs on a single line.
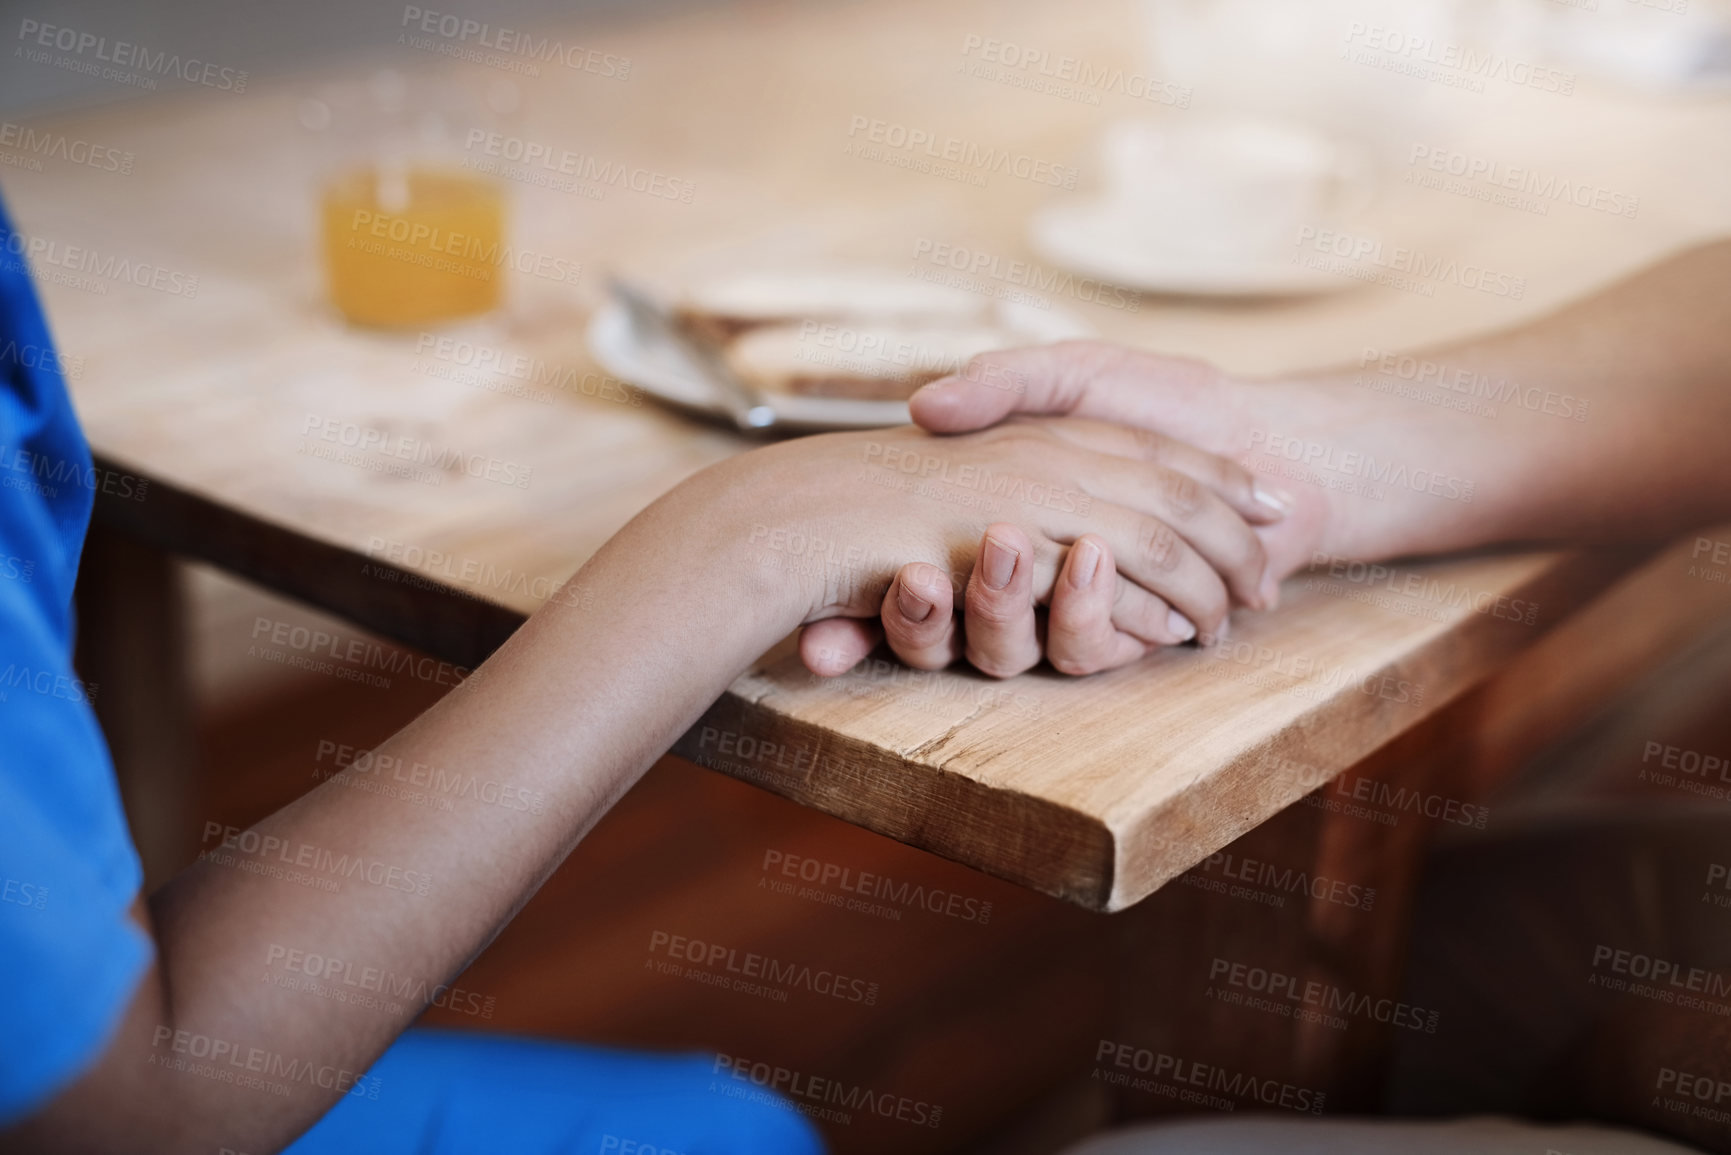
[[1156, 557], [1145, 616], [1080, 636], [999, 625], [1251, 497], [836, 645], [1206, 524], [919, 619], [1180, 397]]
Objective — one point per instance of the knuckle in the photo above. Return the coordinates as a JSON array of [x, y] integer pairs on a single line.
[[993, 610], [1183, 493], [1159, 545], [1148, 444]]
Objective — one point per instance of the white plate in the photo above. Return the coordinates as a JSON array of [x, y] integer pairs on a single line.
[[1091, 238], [663, 373]]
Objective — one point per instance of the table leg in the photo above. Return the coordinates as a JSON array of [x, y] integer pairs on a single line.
[[132, 646]]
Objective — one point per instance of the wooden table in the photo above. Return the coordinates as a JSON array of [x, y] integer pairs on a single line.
[[1098, 791]]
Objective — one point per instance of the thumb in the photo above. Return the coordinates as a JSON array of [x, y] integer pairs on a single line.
[[1043, 379], [1176, 396]]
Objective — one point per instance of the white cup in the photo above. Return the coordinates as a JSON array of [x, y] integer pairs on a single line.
[[1228, 189]]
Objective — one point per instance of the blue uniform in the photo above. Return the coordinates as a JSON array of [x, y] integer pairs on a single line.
[[71, 958]]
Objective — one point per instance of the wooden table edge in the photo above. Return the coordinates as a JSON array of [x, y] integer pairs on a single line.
[[1089, 863]]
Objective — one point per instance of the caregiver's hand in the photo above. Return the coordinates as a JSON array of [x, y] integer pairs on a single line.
[[1602, 422]]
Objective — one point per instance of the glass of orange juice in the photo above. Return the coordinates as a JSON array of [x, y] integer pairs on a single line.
[[410, 236], [410, 244]]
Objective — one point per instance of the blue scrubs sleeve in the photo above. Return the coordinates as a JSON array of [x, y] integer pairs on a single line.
[[70, 957]]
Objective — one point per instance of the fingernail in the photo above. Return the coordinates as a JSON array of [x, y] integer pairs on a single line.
[[1180, 625], [1275, 500], [1086, 562], [998, 563], [914, 607]]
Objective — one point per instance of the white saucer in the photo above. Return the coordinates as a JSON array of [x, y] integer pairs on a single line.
[[661, 372], [1093, 238]]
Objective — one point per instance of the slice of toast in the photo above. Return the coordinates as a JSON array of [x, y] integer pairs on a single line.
[[860, 360], [720, 309]]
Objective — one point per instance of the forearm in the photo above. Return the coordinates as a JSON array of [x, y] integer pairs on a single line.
[[572, 710], [1609, 419]]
